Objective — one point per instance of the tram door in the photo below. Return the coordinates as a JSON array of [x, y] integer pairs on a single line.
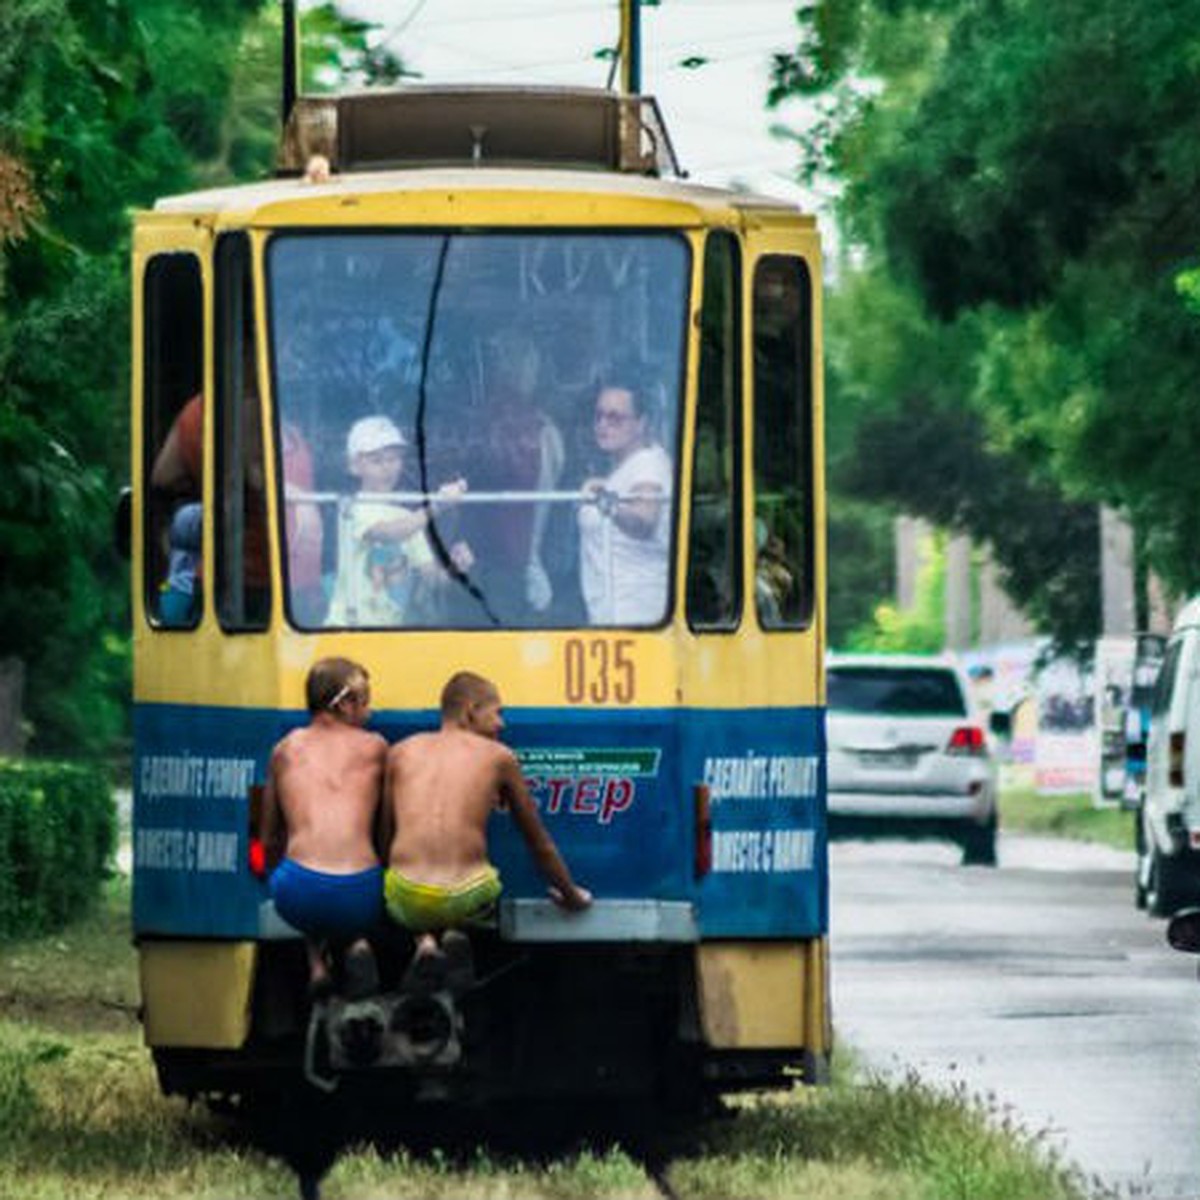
[[753, 589], [201, 566]]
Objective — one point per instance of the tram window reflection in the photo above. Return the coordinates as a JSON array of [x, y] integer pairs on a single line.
[[243, 590], [783, 454], [714, 597], [484, 351], [174, 348]]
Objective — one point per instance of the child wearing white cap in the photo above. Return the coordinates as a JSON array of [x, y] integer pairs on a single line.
[[384, 558]]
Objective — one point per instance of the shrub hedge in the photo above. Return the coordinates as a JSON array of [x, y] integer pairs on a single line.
[[58, 832]]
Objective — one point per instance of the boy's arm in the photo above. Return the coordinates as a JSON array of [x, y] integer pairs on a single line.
[[563, 890], [399, 528], [385, 818], [273, 829], [408, 521]]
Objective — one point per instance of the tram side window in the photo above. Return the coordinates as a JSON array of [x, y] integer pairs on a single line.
[[714, 594], [173, 341], [243, 580], [783, 466]]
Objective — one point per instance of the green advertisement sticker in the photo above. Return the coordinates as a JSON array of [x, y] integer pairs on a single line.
[[608, 760]]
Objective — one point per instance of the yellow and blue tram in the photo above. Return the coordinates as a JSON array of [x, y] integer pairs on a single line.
[[472, 268]]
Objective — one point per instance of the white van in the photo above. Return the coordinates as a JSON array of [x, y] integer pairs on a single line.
[[1168, 834]]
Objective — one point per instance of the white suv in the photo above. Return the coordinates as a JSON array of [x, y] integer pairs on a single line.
[[1168, 833], [908, 754]]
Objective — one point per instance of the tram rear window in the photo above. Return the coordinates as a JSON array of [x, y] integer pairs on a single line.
[[478, 430]]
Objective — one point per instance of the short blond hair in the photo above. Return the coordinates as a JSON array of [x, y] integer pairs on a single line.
[[329, 680], [463, 689]]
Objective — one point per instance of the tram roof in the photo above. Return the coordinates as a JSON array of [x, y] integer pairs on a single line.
[[460, 141], [287, 199]]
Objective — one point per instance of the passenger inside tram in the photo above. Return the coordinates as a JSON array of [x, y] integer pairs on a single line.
[[624, 537], [483, 353], [388, 573]]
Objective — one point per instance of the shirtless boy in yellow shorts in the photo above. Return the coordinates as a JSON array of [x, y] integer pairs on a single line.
[[439, 790]]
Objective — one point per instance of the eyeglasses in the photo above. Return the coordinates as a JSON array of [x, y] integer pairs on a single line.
[[610, 416]]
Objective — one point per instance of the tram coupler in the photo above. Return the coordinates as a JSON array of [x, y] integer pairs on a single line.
[[420, 1024]]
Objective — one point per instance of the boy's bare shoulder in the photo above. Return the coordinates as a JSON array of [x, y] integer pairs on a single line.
[[412, 744], [373, 744], [287, 745]]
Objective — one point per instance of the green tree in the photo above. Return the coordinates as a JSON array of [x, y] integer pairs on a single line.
[[920, 630], [103, 108], [1024, 171]]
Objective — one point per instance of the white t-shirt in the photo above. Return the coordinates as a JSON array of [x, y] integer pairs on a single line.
[[376, 577], [624, 579]]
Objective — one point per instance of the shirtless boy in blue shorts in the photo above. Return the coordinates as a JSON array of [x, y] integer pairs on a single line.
[[319, 811], [440, 789]]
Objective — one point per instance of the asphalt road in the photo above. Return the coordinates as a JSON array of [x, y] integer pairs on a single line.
[[1038, 983]]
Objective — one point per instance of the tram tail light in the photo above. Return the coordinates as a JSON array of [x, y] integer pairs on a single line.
[[967, 740], [1175, 749], [701, 798], [256, 855]]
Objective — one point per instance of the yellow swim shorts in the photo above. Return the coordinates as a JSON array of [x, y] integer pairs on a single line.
[[427, 908]]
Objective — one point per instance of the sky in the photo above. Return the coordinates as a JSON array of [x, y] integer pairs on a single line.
[[716, 113]]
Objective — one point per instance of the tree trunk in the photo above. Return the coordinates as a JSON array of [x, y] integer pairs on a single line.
[[12, 721]]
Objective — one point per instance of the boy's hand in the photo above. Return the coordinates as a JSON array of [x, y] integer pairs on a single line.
[[449, 492], [461, 556], [578, 899]]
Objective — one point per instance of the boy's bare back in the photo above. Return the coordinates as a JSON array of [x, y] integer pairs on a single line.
[[328, 780], [440, 789]]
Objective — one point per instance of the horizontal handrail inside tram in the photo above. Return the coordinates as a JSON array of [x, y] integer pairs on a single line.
[[601, 496], [606, 501]]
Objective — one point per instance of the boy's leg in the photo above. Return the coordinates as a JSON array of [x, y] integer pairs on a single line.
[[460, 961], [320, 982], [427, 971], [361, 974]]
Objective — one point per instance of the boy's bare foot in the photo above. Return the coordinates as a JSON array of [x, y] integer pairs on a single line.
[[320, 983], [427, 971]]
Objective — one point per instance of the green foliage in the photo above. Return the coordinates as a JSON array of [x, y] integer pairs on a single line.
[[57, 835], [1018, 184], [861, 563], [337, 51], [919, 630], [934, 1143], [1187, 284], [104, 108], [1075, 816], [909, 427]]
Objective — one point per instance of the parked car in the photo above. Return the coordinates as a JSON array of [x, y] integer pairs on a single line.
[[1147, 663], [1183, 931], [908, 753], [1168, 829]]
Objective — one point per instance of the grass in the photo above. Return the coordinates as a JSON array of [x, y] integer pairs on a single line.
[[1070, 816], [81, 1118], [81, 979]]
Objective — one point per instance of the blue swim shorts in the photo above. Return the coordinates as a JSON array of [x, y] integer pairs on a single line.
[[341, 907]]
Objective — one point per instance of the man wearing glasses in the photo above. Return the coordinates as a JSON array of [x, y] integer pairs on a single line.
[[624, 537]]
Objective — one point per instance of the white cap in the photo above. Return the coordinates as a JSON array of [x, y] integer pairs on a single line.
[[373, 433]]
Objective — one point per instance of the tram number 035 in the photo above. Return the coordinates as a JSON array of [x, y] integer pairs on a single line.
[[600, 671]]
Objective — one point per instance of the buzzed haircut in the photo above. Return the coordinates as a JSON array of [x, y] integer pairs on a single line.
[[329, 679], [464, 688]]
